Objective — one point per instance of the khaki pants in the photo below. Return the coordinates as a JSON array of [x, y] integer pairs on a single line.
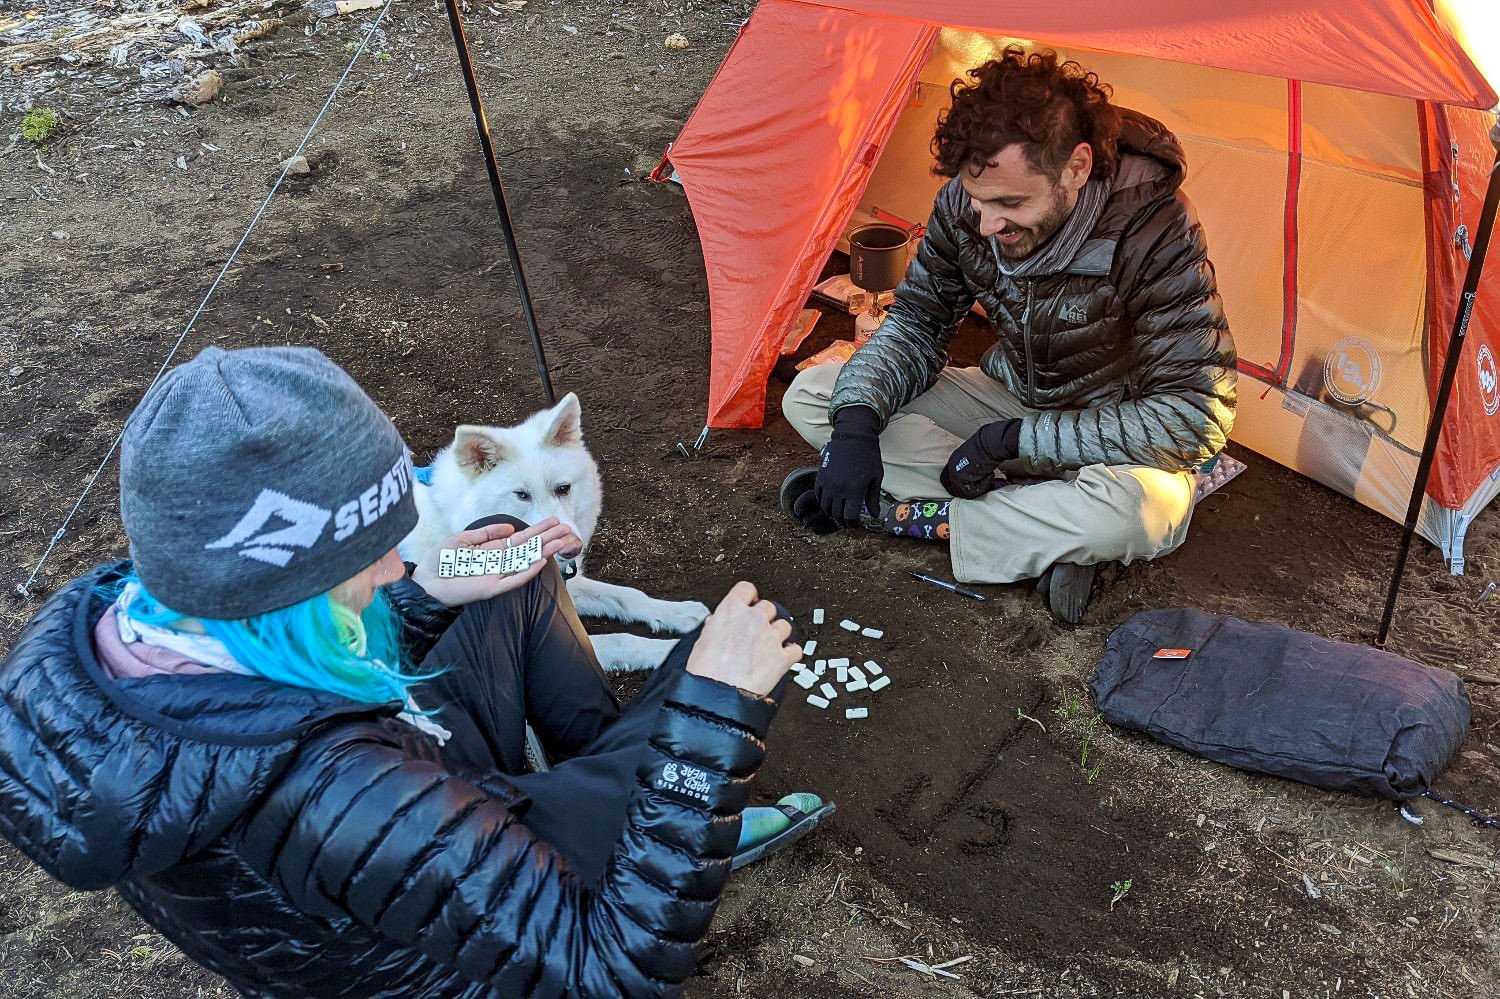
[[1101, 513]]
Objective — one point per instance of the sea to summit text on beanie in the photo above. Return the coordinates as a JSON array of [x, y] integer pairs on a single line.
[[373, 502]]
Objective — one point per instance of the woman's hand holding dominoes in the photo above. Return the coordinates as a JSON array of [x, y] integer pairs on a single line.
[[456, 588]]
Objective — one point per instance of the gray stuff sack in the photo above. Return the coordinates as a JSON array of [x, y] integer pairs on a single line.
[[1273, 700]]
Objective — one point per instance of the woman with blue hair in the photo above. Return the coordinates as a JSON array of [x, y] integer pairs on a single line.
[[304, 761]]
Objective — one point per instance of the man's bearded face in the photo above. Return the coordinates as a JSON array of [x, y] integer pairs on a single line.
[[1019, 206]]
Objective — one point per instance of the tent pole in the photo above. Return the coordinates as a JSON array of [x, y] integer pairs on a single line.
[[502, 206], [1445, 385]]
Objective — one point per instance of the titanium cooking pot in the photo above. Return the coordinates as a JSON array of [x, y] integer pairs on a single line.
[[877, 256]]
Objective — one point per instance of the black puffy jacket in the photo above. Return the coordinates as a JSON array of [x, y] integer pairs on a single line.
[[301, 844], [1126, 350]]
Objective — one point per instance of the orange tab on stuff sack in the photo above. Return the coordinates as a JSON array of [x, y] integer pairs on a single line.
[[1172, 653]]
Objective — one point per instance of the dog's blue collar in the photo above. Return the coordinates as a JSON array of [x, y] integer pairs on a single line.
[[423, 474]]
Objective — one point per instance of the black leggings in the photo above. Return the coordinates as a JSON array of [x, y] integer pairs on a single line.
[[524, 656]]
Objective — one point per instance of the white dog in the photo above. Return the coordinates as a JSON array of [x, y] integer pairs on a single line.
[[533, 471]]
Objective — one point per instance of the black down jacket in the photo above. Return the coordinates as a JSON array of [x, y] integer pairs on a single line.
[[301, 844], [1126, 350]]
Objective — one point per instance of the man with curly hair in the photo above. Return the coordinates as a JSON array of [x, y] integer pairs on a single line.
[[1113, 375]]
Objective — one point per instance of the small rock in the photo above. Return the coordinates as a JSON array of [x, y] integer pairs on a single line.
[[570, 29], [202, 89], [59, 234], [1331, 930], [803, 960], [16, 371], [182, 162], [676, 41], [296, 164]]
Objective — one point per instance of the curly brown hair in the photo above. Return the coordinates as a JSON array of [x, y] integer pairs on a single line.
[[1047, 105]]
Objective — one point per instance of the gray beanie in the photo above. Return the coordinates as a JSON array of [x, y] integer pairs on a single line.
[[251, 480]]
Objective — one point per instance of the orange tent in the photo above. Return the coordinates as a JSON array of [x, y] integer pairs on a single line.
[[1335, 154]]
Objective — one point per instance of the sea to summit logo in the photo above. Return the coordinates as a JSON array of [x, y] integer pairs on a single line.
[[1489, 381], [301, 524], [295, 524]]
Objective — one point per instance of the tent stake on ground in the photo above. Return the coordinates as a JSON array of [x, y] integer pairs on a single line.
[[502, 206]]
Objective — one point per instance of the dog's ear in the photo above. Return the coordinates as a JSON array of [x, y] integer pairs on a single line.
[[476, 450], [565, 423]]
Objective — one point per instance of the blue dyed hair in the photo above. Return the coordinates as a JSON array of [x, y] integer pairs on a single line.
[[318, 643]]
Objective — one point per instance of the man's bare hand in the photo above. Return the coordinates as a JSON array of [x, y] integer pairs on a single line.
[[741, 645]]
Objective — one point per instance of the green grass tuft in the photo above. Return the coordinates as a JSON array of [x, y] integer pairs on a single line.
[[40, 124]]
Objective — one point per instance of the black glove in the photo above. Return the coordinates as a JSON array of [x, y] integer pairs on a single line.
[[851, 472], [970, 471]]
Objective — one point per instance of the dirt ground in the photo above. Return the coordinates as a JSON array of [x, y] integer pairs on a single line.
[[964, 830]]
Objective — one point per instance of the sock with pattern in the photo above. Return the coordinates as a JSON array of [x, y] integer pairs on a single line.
[[924, 519]]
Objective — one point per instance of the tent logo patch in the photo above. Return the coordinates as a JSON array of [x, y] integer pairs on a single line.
[[1351, 371], [1489, 381]]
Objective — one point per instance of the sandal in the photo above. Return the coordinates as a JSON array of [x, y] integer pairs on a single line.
[[766, 829]]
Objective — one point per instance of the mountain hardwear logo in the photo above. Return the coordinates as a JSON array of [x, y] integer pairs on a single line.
[[304, 525]]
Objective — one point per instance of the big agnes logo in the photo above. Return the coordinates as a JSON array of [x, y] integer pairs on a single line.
[[1489, 381]]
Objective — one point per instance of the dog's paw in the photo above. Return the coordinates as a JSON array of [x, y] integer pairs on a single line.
[[676, 616]]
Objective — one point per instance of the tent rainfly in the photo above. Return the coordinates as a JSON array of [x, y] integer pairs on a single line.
[[1337, 154]]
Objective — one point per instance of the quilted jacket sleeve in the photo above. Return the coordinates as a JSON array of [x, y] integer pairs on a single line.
[[1183, 392], [361, 829], [422, 618], [903, 358]]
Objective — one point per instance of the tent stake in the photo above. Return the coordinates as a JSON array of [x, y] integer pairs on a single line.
[[502, 207], [1445, 385]]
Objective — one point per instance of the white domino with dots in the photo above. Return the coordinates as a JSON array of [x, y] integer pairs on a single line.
[[852, 713], [873, 633], [817, 615], [829, 691], [810, 646], [872, 667], [464, 562], [805, 679], [816, 701], [848, 625], [881, 684]]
